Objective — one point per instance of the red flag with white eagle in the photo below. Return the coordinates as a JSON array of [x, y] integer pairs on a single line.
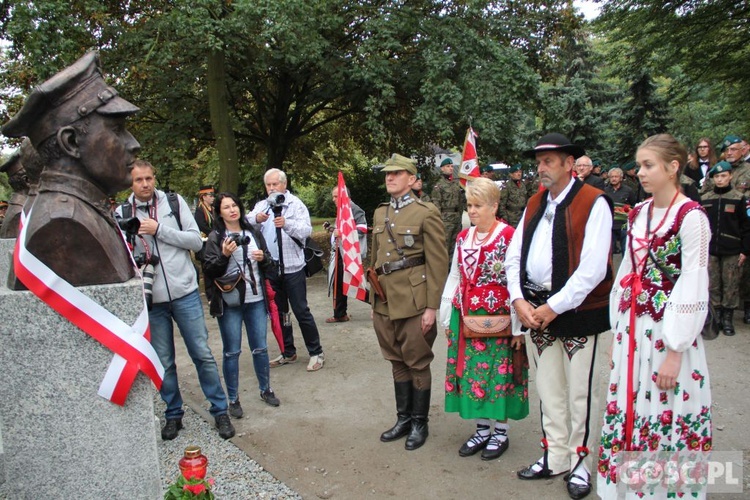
[[354, 284], [469, 164]]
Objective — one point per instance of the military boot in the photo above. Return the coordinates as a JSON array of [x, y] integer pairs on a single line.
[[746, 318], [420, 411], [403, 413], [728, 322], [717, 320]]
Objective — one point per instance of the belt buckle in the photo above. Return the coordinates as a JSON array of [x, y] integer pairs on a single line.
[[386, 267]]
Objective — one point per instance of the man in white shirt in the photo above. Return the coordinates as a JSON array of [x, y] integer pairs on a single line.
[[293, 219], [559, 278]]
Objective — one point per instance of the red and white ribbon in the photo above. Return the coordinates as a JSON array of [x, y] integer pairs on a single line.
[[131, 344]]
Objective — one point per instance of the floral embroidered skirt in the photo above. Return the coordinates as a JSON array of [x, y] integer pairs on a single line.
[[675, 420], [486, 388]]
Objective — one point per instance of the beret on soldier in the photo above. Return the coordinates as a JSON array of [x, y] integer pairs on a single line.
[[397, 162], [627, 167], [515, 168], [486, 168], [728, 141], [447, 161], [722, 166], [72, 94]]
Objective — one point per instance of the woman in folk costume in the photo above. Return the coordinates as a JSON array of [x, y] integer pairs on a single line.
[[482, 382], [657, 309]]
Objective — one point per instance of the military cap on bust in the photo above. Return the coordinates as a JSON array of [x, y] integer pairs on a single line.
[[72, 94], [722, 166], [515, 168], [13, 164], [398, 162], [446, 161], [728, 141]]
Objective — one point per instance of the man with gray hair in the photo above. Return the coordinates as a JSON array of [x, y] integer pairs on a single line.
[[584, 169], [283, 214], [621, 195]]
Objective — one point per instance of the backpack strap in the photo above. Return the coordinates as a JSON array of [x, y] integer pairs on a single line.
[[174, 206]]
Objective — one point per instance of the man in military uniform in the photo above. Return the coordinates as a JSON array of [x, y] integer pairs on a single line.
[[409, 257], [630, 179], [488, 172], [513, 197], [450, 199], [76, 122]]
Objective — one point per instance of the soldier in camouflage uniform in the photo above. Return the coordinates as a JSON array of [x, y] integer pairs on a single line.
[[450, 199], [726, 208], [513, 197]]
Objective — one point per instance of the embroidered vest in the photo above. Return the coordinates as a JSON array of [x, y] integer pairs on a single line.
[[488, 288], [667, 249], [568, 232]]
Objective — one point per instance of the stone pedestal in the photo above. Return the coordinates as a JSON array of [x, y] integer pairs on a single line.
[[60, 438], [6, 260]]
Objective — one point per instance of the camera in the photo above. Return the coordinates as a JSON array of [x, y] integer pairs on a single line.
[[328, 227], [239, 239], [276, 200], [129, 226], [147, 263]]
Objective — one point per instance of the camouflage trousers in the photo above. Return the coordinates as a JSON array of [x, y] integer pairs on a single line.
[[724, 281], [745, 282], [452, 224]]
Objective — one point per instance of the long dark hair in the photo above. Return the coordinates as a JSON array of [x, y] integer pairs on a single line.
[[711, 154], [219, 222]]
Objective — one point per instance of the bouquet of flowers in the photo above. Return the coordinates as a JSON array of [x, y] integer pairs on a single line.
[[621, 211]]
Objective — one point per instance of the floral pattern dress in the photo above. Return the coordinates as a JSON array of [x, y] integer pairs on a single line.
[[479, 375], [669, 313]]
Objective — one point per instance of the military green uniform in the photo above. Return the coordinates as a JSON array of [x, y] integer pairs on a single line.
[[450, 199], [513, 198], [740, 178], [411, 262]]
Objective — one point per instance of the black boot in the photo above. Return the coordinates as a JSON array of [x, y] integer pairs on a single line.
[[420, 411], [717, 321], [710, 331], [746, 318], [403, 413], [728, 322]]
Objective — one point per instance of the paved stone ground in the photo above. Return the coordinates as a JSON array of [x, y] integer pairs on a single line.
[[323, 440]]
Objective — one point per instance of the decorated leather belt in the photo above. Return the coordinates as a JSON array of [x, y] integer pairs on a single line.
[[397, 265]]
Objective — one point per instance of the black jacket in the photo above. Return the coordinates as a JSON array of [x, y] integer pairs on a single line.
[[215, 265], [730, 225]]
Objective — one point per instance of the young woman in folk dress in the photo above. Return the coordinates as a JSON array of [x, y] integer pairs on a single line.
[[479, 381], [657, 309]]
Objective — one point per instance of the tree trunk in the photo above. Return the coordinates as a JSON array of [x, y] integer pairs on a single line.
[[229, 172]]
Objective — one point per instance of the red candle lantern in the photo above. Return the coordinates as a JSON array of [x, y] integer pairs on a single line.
[[193, 464]]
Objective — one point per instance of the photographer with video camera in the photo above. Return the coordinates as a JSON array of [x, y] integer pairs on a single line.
[[168, 231], [236, 264], [282, 219]]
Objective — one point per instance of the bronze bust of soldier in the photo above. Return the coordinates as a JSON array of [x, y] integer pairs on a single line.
[[76, 122], [23, 169]]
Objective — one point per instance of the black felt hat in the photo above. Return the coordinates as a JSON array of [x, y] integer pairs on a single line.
[[555, 142]]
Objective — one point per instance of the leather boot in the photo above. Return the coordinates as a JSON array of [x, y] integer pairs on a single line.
[[420, 410], [746, 318], [728, 322], [717, 320], [709, 331], [403, 413]]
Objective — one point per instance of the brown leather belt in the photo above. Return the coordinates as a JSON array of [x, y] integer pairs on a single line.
[[397, 265]]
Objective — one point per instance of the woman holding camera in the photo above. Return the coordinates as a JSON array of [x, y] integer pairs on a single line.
[[236, 262]]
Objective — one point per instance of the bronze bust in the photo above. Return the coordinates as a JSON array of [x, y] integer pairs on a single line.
[[76, 123], [23, 169]]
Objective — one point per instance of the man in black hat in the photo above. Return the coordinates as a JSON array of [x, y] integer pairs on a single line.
[[77, 124], [559, 281]]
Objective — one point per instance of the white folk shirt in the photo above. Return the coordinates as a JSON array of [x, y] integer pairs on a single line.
[[594, 255]]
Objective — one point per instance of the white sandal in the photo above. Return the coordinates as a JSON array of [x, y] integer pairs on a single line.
[[316, 362]]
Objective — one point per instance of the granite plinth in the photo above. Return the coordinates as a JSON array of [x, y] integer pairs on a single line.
[[6, 259], [60, 438]]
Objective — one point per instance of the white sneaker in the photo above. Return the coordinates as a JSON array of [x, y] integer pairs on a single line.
[[316, 362]]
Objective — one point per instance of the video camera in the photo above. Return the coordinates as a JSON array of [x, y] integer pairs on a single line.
[[276, 201]]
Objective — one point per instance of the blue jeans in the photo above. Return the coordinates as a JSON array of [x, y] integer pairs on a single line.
[[230, 326], [187, 312], [293, 291]]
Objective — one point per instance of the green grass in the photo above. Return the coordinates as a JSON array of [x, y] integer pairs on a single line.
[[317, 222]]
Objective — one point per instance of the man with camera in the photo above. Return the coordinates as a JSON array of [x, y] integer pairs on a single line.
[[164, 240], [283, 218]]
